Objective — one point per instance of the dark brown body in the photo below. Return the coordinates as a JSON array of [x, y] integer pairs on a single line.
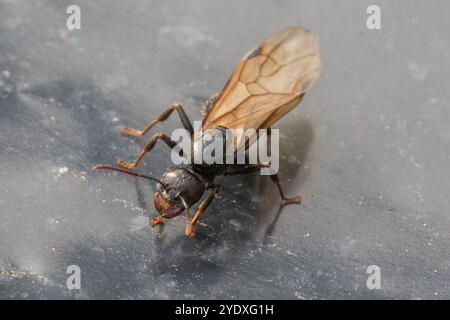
[[267, 83]]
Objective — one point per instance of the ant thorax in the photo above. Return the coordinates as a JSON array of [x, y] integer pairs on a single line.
[[209, 149]]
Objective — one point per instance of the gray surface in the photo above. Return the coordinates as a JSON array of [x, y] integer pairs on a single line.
[[368, 149]]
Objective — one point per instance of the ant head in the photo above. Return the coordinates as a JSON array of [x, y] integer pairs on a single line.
[[168, 204], [178, 191]]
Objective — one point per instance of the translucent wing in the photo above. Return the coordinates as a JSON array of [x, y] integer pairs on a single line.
[[268, 82]]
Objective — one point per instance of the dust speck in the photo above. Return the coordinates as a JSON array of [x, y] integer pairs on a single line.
[[62, 171], [417, 72]]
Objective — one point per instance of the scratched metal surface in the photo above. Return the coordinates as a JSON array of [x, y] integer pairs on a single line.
[[368, 149]]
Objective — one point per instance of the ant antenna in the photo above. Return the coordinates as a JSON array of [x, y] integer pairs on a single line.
[[131, 173]]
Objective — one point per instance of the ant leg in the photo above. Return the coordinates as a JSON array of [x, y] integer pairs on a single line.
[[157, 220], [254, 168], [147, 148], [246, 169], [191, 226], [285, 200], [162, 117]]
